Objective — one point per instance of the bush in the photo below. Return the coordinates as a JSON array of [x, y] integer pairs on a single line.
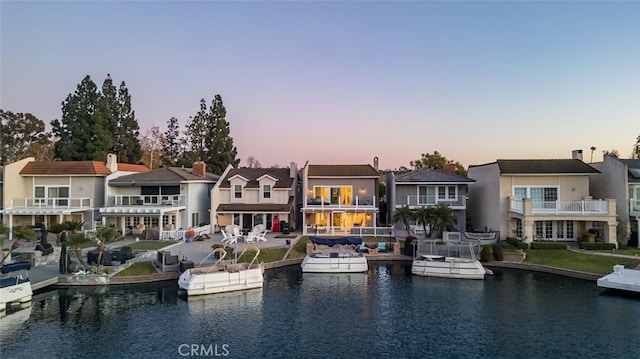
[[512, 241], [597, 246], [548, 245], [498, 253], [408, 246], [485, 254], [522, 245]]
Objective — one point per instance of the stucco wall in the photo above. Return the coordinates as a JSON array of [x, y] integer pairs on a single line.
[[15, 186], [571, 188], [485, 207]]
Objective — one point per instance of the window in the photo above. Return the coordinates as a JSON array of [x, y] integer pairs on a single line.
[[266, 191], [52, 195], [236, 219], [560, 229], [237, 191], [427, 194], [337, 195]]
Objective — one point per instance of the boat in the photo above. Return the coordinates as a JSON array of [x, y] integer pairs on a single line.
[[14, 284], [335, 260], [448, 260], [623, 279], [222, 277]]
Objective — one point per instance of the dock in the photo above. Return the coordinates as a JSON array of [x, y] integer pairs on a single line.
[[621, 278]]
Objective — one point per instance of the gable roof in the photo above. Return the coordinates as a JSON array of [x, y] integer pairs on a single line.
[[429, 175], [161, 176], [342, 171], [539, 167], [252, 175], [57, 168]]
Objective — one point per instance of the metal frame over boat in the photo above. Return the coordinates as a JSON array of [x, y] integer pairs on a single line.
[[335, 260], [222, 277], [15, 287], [447, 260]]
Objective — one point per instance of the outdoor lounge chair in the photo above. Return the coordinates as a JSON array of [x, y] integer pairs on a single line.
[[261, 236], [382, 247]]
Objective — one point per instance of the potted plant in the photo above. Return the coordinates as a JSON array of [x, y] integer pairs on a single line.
[[189, 235]]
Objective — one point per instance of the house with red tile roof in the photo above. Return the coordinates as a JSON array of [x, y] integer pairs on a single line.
[[51, 192]]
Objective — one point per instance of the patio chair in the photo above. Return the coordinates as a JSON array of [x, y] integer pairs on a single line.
[[225, 237], [261, 236], [251, 237]]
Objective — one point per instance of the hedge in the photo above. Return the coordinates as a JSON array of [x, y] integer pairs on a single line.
[[597, 246], [548, 245], [516, 243]]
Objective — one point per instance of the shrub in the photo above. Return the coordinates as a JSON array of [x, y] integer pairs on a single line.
[[597, 246], [498, 253], [485, 254], [548, 245], [512, 241], [522, 245]]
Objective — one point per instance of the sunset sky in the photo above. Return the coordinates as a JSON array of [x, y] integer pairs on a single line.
[[345, 81]]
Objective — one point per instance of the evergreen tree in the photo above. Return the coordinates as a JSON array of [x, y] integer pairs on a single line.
[[127, 131], [76, 127], [106, 120], [220, 149], [172, 151], [198, 131]]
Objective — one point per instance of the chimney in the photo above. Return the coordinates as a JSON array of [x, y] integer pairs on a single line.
[[112, 162], [375, 163], [199, 169], [293, 169], [576, 155], [449, 168]]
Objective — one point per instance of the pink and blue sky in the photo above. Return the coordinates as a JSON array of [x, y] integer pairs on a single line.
[[344, 81]]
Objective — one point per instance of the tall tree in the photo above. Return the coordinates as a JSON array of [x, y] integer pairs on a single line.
[[198, 130], [152, 144], [436, 161], [172, 150], [221, 151], [612, 153], [127, 146], [21, 135], [636, 149], [105, 120], [74, 131], [253, 162]]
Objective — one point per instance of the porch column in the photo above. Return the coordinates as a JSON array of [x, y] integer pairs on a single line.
[[612, 235], [528, 231], [11, 227]]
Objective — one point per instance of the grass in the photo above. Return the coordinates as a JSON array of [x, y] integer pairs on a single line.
[[138, 268], [150, 245], [630, 251], [590, 263]]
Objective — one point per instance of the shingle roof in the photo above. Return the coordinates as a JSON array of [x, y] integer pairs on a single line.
[[342, 171], [127, 167], [554, 166], [428, 175], [256, 207], [165, 175], [95, 168], [252, 174]]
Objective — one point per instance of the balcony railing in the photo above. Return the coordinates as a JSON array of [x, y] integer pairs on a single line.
[[150, 200], [562, 207], [460, 202], [343, 231], [634, 205], [358, 202], [53, 202]]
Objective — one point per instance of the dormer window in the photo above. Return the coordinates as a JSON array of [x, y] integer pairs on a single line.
[[266, 191], [237, 191]]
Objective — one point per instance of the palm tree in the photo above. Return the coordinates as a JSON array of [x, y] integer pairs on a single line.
[[404, 215], [443, 218], [424, 216], [57, 229], [105, 234], [73, 226], [77, 240], [22, 232]]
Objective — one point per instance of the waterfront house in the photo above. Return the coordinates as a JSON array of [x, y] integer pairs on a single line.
[[429, 188], [545, 199], [340, 199], [56, 191], [247, 197], [167, 198], [620, 179]]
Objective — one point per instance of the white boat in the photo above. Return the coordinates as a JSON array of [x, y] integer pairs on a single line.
[[222, 277], [335, 261], [621, 278], [14, 284], [449, 260]]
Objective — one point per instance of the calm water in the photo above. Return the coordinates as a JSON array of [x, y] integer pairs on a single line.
[[385, 313]]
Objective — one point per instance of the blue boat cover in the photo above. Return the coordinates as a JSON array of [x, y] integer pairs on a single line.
[[331, 242], [24, 265]]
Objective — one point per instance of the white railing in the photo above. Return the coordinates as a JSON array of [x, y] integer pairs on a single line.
[[53, 202], [562, 207], [634, 205], [178, 234], [432, 200], [365, 202], [148, 200], [353, 231]]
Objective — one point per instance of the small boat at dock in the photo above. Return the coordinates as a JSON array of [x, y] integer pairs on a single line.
[[15, 286], [624, 279]]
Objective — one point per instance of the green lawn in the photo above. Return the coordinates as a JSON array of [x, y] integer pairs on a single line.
[[138, 268], [590, 263], [630, 251], [150, 245]]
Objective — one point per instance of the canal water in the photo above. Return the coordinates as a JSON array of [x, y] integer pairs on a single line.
[[385, 313]]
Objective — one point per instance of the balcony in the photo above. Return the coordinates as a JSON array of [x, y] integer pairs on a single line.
[[357, 203], [149, 200], [460, 202], [585, 207], [634, 207], [52, 203]]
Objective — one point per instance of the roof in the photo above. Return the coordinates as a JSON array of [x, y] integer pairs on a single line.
[[161, 176], [429, 175], [94, 168], [256, 207], [342, 171], [127, 167], [553, 166], [283, 176]]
